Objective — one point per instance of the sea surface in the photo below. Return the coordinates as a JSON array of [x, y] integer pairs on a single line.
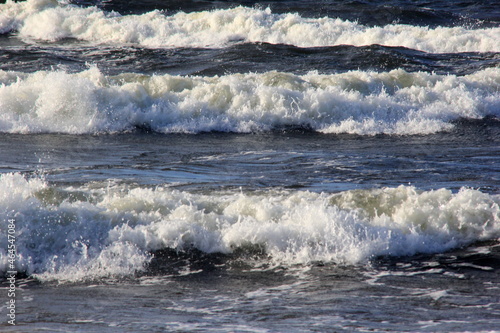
[[250, 166]]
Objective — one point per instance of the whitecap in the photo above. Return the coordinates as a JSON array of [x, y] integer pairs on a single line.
[[51, 21], [356, 102]]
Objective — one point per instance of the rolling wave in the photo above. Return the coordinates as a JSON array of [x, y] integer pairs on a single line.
[[356, 102], [49, 20], [100, 230]]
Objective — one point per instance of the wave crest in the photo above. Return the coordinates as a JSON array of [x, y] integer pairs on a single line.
[[366, 103], [98, 230], [50, 21]]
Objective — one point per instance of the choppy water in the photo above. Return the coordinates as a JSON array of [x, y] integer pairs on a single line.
[[251, 166]]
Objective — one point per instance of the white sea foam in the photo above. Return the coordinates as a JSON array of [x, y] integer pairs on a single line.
[[110, 230], [49, 20], [367, 103]]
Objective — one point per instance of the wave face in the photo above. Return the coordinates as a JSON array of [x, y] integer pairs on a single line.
[[48, 20], [98, 230], [395, 102]]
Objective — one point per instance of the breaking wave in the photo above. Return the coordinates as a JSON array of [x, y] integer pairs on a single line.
[[357, 102], [49, 20], [101, 229]]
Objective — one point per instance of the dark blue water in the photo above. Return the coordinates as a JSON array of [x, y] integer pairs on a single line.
[[299, 166]]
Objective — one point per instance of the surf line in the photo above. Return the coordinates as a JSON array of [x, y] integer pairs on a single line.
[[11, 273]]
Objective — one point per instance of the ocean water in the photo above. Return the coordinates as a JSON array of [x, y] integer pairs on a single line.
[[274, 166]]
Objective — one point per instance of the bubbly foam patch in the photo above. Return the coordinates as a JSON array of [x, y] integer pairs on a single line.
[[50, 21], [101, 230], [366, 103]]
